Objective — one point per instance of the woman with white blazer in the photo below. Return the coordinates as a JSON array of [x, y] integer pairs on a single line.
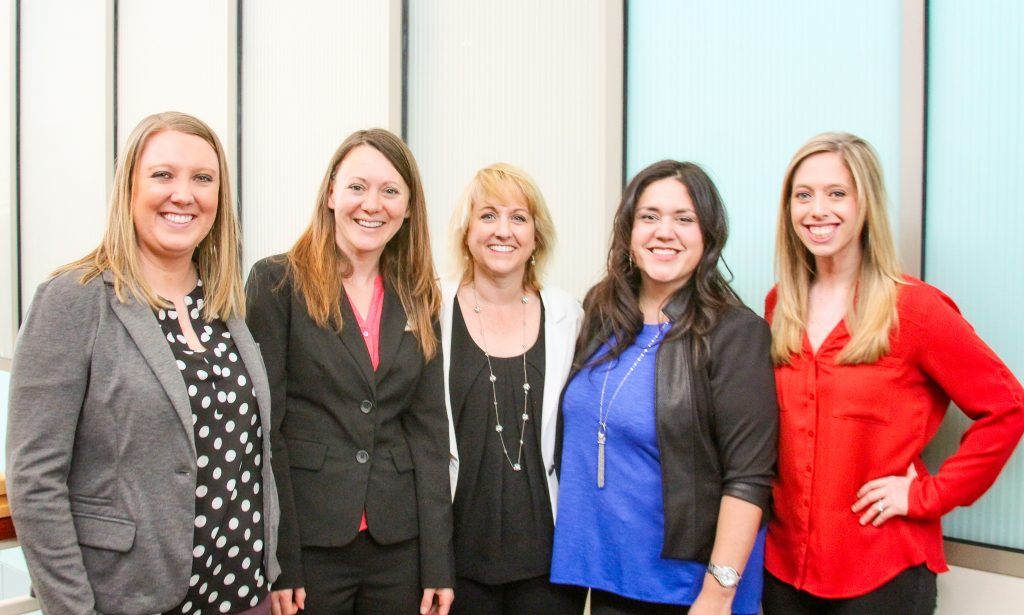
[[508, 348]]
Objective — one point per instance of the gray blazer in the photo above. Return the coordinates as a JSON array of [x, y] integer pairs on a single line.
[[101, 459]]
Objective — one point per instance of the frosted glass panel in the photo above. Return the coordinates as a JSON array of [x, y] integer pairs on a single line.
[[738, 86], [973, 215]]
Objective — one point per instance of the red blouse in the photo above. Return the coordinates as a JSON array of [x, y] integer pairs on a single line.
[[843, 425]]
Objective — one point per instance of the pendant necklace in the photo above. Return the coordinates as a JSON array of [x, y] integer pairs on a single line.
[[603, 412], [517, 464]]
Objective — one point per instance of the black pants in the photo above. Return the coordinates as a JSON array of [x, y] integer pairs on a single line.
[[912, 592], [363, 578], [606, 603], [536, 596]]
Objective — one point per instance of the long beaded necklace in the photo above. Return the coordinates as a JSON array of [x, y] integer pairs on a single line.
[[517, 464], [602, 412]]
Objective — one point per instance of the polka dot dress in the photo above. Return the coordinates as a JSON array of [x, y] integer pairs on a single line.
[[227, 555]]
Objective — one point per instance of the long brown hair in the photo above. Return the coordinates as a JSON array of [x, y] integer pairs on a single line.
[[871, 314], [217, 258], [317, 266], [612, 307]]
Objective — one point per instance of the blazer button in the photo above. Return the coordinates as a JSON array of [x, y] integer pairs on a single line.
[[362, 456], [366, 406]]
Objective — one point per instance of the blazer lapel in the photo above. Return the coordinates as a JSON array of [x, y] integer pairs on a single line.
[[352, 338], [253, 361], [393, 323], [144, 329]]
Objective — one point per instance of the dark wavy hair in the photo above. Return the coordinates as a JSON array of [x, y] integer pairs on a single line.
[[612, 307]]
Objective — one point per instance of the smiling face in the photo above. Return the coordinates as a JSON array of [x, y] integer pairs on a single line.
[[501, 236], [823, 208], [370, 201], [666, 242], [175, 196]]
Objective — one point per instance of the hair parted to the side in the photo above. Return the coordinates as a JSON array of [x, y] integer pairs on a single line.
[[217, 257], [871, 315], [497, 182], [317, 266], [612, 306]]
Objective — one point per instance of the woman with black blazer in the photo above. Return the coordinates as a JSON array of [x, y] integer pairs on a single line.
[[137, 442], [346, 323], [669, 417]]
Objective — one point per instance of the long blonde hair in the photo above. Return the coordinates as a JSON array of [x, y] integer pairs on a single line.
[[317, 266], [217, 258], [495, 181], [871, 315]]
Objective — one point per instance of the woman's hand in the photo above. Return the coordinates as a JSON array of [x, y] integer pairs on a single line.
[[287, 601], [884, 498], [436, 601], [713, 599]]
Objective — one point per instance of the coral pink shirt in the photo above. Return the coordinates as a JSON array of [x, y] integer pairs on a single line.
[[843, 425], [370, 328]]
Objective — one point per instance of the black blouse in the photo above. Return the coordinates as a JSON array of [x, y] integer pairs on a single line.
[[227, 555], [503, 524]]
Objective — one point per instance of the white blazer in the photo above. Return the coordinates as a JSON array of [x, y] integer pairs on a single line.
[[563, 318]]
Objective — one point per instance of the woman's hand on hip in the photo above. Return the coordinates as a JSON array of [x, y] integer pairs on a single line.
[[884, 498], [287, 601], [436, 601]]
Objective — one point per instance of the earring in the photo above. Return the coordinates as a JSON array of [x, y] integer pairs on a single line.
[[630, 260], [533, 260]]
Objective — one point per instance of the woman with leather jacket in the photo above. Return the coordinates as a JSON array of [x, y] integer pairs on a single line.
[[670, 416]]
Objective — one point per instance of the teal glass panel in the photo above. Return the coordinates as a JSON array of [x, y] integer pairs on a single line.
[[738, 86], [974, 216]]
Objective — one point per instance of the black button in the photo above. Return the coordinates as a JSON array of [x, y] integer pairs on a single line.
[[366, 406], [362, 456]]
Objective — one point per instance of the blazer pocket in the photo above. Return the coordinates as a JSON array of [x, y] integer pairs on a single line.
[[92, 500], [402, 458], [305, 454], [104, 532]]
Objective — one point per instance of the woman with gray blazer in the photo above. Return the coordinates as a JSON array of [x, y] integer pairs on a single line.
[[138, 438], [508, 347]]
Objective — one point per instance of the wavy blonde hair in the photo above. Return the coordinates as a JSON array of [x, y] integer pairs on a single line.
[[871, 315], [217, 257], [497, 181], [317, 266]]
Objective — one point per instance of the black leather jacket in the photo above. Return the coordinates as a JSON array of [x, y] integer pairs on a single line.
[[717, 427]]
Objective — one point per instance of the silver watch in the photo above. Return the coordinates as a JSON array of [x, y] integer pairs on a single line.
[[725, 575]]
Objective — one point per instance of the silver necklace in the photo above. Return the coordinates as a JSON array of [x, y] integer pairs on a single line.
[[602, 412], [517, 464]]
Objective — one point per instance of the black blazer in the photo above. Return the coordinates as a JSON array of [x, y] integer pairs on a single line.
[[347, 439]]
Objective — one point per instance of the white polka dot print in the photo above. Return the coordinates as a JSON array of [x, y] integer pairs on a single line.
[[227, 555]]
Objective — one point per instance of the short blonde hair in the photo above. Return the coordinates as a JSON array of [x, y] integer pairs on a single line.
[[217, 257], [495, 182], [872, 313]]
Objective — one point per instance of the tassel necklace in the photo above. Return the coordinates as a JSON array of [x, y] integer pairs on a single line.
[[602, 412], [517, 464]]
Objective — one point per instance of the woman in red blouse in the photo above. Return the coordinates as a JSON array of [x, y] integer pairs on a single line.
[[867, 360]]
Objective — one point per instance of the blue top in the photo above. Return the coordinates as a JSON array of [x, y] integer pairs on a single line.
[[611, 538]]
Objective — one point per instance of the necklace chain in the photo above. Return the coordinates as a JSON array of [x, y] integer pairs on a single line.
[[516, 465], [603, 411]]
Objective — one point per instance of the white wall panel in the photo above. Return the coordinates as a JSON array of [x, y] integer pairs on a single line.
[[534, 83], [8, 249], [66, 122], [312, 73], [177, 56]]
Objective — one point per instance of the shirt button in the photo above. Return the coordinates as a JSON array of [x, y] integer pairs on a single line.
[[807, 504], [366, 334], [810, 433], [362, 456], [808, 469], [811, 395], [366, 406]]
